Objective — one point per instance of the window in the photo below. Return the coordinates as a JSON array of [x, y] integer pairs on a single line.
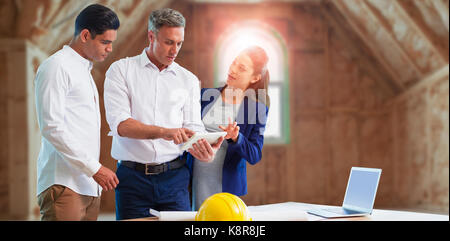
[[237, 38]]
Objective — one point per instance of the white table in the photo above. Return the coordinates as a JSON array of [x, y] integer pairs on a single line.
[[294, 211], [377, 214]]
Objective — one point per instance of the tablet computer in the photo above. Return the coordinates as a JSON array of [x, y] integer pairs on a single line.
[[211, 138]]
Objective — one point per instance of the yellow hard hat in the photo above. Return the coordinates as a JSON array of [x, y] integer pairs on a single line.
[[223, 207]]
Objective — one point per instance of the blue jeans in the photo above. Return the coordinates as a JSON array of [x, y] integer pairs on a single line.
[[137, 192]]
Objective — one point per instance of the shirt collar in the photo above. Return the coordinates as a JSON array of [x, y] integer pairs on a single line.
[[85, 62], [145, 61]]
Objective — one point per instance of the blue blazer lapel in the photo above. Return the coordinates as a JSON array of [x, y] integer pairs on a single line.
[[209, 97]]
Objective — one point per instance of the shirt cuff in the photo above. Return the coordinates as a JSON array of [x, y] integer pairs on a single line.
[[92, 168], [115, 125], [238, 142]]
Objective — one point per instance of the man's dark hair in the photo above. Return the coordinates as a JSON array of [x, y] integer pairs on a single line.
[[97, 19]]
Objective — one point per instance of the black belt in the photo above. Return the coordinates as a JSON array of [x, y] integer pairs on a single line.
[[152, 169]]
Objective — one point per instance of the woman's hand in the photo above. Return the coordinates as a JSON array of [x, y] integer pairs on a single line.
[[232, 130]]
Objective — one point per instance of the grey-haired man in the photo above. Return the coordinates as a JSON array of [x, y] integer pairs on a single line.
[[153, 105]]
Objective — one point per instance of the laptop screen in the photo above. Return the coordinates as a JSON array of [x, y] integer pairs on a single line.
[[362, 188]]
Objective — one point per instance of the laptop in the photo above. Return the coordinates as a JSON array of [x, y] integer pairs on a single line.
[[359, 196]]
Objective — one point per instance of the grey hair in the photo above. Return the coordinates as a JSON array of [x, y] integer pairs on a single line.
[[167, 17]]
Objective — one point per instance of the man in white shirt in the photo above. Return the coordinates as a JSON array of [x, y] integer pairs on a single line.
[[152, 105], [67, 104]]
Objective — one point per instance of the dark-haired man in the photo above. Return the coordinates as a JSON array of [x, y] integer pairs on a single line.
[[67, 104]]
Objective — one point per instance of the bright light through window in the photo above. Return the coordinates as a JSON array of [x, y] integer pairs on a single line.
[[238, 38], [245, 37]]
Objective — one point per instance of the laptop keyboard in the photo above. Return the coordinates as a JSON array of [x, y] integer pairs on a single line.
[[341, 211]]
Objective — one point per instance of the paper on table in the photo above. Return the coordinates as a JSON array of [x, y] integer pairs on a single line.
[[174, 215], [292, 215], [277, 212]]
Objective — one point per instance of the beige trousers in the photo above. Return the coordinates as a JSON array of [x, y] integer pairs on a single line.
[[60, 203]]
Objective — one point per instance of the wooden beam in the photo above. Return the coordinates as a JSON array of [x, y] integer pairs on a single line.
[[345, 12], [421, 30], [366, 60], [21, 136], [427, 81], [442, 9], [386, 26], [252, 1], [52, 27]]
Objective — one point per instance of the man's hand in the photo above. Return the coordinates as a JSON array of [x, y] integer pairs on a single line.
[[203, 151], [178, 136], [106, 178]]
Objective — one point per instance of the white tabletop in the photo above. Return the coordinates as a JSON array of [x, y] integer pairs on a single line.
[[294, 211], [377, 214]]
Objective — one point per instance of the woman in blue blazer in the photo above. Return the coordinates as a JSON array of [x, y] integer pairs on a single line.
[[243, 99]]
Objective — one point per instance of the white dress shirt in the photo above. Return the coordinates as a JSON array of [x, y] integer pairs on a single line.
[[69, 119], [135, 88]]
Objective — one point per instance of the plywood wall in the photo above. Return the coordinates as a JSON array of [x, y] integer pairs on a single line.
[[20, 136], [421, 144]]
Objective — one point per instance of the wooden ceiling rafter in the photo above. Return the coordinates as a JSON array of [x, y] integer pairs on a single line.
[[366, 61], [421, 30], [343, 9], [443, 10], [387, 29], [50, 31]]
